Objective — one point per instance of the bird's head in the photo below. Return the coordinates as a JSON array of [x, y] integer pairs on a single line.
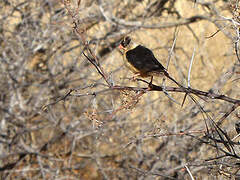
[[127, 44]]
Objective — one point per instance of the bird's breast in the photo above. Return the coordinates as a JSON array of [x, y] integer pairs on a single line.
[[130, 66]]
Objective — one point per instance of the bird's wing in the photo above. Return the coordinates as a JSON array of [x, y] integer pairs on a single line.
[[143, 59]]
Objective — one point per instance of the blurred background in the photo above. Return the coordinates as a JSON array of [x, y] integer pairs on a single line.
[[95, 132]]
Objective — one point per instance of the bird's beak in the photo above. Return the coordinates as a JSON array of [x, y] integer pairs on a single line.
[[120, 47]]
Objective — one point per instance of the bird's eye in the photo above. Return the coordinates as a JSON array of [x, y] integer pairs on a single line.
[[126, 41], [122, 43]]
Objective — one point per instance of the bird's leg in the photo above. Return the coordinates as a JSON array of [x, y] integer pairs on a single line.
[[151, 80], [134, 77], [150, 85]]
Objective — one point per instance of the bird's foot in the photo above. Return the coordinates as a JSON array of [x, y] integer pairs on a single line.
[[135, 77], [131, 78]]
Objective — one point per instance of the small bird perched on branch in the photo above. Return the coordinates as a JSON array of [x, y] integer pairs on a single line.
[[141, 60]]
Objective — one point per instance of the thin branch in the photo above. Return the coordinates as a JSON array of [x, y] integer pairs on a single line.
[[172, 48], [189, 172], [190, 67], [236, 45], [140, 24]]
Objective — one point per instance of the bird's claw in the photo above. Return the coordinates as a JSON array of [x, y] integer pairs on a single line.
[[135, 77]]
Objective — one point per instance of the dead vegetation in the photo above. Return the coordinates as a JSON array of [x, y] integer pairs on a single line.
[[69, 109]]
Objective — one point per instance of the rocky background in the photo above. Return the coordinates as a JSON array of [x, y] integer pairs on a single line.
[[66, 111]]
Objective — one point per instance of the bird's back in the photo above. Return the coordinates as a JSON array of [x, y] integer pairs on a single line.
[[144, 60]]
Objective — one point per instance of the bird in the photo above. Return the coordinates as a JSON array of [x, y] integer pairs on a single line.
[[141, 60]]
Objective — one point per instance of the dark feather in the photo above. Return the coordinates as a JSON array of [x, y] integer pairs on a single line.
[[144, 60]]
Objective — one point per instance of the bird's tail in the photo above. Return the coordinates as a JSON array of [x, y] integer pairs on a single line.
[[172, 79]]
